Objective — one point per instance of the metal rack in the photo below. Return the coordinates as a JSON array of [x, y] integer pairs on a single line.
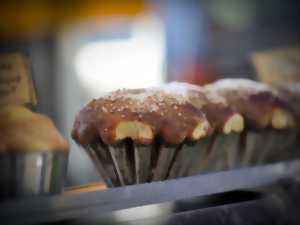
[[131, 204]]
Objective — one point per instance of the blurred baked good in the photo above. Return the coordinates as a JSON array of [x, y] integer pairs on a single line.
[[22, 130], [215, 107], [257, 102]]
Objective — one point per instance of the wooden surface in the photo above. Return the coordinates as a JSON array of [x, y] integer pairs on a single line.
[[86, 188]]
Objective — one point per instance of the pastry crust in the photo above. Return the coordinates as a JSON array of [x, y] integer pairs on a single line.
[[217, 110], [142, 115], [257, 102], [22, 130], [179, 111]]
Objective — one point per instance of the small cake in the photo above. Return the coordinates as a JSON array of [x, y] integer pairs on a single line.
[[178, 129], [144, 135], [269, 122], [255, 101], [22, 130], [33, 154], [290, 95], [212, 153], [133, 135]]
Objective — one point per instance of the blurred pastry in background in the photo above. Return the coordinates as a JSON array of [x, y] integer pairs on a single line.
[[22, 130], [269, 123], [257, 102], [218, 151], [33, 154]]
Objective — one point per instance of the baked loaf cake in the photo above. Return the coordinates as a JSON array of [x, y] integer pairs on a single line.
[[22, 130], [143, 135]]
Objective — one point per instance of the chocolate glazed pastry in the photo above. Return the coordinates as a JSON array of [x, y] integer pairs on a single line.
[[266, 117], [143, 135], [212, 153], [138, 132], [290, 95]]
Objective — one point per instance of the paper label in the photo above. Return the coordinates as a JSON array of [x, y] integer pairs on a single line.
[[16, 85]]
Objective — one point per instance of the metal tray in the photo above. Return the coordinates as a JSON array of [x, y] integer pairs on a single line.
[[110, 202]]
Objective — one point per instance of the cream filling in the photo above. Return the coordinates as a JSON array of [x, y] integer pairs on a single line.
[[134, 130], [234, 124]]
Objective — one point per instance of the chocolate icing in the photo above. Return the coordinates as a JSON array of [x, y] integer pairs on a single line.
[[170, 116]]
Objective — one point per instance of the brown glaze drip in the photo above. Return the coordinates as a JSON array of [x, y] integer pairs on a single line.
[[218, 115], [174, 111], [214, 106], [171, 117], [254, 100]]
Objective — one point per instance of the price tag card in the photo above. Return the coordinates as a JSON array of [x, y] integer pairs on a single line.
[[16, 84]]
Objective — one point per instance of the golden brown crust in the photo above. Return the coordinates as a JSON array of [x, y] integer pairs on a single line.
[[24, 131], [141, 115], [257, 102], [215, 107]]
